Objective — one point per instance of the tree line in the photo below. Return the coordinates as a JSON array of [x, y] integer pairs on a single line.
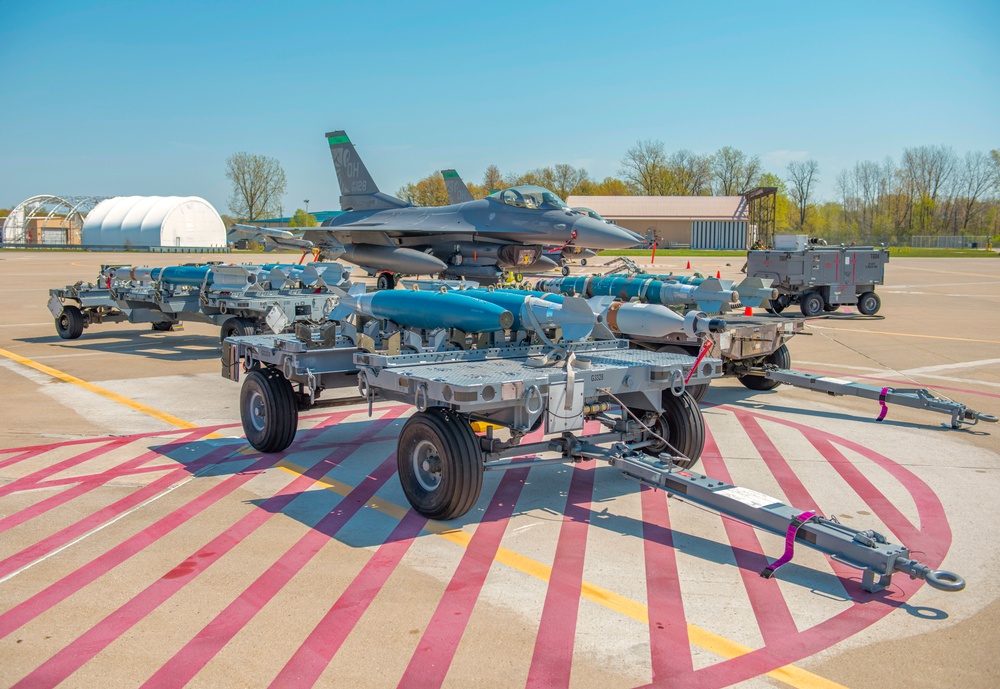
[[931, 190]]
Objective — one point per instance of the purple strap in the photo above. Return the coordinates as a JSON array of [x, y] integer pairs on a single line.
[[881, 400], [793, 528]]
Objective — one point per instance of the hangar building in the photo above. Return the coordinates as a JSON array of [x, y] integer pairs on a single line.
[[701, 222], [154, 221]]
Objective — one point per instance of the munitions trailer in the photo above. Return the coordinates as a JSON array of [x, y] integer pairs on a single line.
[[654, 437]]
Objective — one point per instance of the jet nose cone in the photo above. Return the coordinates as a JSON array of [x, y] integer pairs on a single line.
[[595, 234]]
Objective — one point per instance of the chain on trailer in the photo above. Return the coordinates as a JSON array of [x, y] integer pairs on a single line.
[[478, 395]]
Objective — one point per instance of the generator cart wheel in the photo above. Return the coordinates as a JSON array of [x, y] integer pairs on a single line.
[[69, 324], [268, 411], [236, 327], [697, 391], [385, 281], [682, 425], [564, 271], [869, 303], [779, 358], [830, 308], [440, 463], [583, 262], [811, 304], [165, 326]]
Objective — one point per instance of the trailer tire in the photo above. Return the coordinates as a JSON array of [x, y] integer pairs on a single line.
[[583, 262], [830, 308], [811, 304], [682, 425], [165, 326], [236, 327], [268, 410], [440, 463], [69, 324], [780, 358], [564, 271], [385, 281], [869, 303]]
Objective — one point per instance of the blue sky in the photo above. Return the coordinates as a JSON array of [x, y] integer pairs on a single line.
[[117, 98]]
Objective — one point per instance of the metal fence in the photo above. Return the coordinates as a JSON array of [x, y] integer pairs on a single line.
[[957, 241]]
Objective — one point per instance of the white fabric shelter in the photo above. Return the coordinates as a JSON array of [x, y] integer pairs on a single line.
[[157, 221]]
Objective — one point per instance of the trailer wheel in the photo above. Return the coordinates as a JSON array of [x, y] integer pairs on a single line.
[[236, 327], [811, 304], [165, 326], [780, 358], [830, 308], [682, 425], [440, 463], [565, 271], [869, 303], [583, 262], [385, 281], [69, 324], [268, 411]]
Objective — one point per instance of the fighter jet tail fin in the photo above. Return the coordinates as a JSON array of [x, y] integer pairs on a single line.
[[358, 190], [457, 191]]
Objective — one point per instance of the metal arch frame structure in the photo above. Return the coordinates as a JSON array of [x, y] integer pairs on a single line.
[[46, 206]]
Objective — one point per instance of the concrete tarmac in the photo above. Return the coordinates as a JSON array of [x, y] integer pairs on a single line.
[[144, 542]]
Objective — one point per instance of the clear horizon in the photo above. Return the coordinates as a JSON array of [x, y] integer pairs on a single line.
[[118, 99]]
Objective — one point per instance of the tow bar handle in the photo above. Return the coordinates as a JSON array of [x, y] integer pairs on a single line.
[[940, 579]]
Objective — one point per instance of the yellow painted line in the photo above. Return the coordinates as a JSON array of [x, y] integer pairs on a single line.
[[719, 645], [98, 390], [881, 332]]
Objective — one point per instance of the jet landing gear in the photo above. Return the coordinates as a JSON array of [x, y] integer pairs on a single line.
[[385, 280]]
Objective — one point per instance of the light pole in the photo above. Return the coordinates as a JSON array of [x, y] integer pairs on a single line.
[[307, 206]]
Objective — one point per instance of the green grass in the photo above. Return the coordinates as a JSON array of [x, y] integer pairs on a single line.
[[901, 252]]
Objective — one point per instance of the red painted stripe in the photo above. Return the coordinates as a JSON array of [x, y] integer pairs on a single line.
[[64, 536], [117, 472], [29, 481], [437, 646], [670, 650], [552, 658], [20, 457], [82, 487], [60, 538], [68, 660], [187, 662], [773, 616], [90, 441], [308, 662]]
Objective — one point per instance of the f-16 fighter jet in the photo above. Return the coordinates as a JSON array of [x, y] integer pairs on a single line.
[[388, 237]]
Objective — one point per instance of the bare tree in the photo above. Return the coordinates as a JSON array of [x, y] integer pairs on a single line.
[[926, 172], [492, 179], [975, 180], [566, 179], [689, 174], [644, 168], [258, 185], [734, 172], [801, 177]]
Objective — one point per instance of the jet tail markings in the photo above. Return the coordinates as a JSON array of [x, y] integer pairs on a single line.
[[358, 190]]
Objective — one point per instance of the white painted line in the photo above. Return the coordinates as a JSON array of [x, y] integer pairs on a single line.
[[939, 284], [944, 367], [22, 325], [847, 366]]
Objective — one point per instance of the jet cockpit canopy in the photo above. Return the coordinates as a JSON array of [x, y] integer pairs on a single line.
[[589, 212], [531, 196]]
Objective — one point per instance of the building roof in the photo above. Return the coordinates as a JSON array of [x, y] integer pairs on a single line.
[[665, 207]]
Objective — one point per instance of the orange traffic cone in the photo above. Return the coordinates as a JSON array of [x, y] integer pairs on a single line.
[[718, 274], [747, 311], [689, 265]]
